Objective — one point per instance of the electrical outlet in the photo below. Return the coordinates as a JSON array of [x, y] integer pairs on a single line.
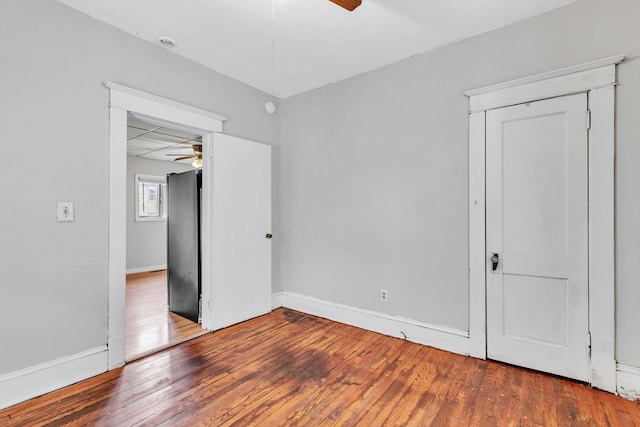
[[384, 295], [65, 212]]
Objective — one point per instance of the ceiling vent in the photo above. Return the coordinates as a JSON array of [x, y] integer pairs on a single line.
[[167, 42]]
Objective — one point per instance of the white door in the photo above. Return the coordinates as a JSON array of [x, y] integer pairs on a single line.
[[537, 296], [241, 223]]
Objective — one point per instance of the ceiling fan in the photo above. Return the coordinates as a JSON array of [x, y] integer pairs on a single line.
[[197, 156], [350, 5]]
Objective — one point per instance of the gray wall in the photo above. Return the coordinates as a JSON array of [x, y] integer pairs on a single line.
[[374, 177], [54, 129], [146, 240]]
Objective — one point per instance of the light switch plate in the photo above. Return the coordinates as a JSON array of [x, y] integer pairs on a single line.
[[66, 212]]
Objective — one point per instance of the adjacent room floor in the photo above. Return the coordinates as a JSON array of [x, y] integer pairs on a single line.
[[149, 325], [292, 369]]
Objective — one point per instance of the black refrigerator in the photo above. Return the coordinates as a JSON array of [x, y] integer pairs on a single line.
[[183, 243]]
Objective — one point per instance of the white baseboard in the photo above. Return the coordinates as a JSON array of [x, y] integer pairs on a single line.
[[116, 352], [146, 269], [276, 300], [628, 381], [603, 372], [449, 339], [18, 386]]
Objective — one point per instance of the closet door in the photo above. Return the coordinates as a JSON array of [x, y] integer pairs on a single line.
[[537, 235]]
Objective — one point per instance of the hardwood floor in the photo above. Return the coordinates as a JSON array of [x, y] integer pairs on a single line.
[[149, 325], [293, 369]]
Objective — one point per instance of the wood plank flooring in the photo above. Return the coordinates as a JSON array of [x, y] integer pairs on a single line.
[[149, 325], [294, 369]]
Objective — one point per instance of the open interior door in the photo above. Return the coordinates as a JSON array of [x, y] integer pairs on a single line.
[[240, 230]]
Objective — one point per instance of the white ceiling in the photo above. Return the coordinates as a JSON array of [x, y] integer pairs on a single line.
[[309, 43], [150, 141]]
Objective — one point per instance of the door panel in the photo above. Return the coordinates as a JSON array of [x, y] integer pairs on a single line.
[[524, 298], [537, 299], [533, 164], [241, 219]]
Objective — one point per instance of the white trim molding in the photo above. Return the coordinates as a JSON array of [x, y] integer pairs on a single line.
[[277, 300], [444, 338], [602, 301], [477, 271], [155, 107], [628, 381], [117, 235], [575, 79], [34, 381], [598, 79]]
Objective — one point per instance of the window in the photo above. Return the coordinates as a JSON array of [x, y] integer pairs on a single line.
[[150, 194]]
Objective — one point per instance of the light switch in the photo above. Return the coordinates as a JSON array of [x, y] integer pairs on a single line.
[[65, 212]]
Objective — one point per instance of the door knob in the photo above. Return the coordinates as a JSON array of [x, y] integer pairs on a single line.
[[495, 260]]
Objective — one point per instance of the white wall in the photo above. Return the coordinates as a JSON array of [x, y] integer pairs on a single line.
[[54, 113], [374, 177], [146, 240]]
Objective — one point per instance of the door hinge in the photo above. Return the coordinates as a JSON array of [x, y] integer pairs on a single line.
[[589, 342], [588, 120]]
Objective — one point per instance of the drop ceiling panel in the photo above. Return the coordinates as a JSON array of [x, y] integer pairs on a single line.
[[147, 145], [135, 151], [179, 134], [133, 132], [161, 138], [151, 141]]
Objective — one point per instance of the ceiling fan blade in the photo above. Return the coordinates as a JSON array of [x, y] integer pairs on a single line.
[[350, 5], [197, 153]]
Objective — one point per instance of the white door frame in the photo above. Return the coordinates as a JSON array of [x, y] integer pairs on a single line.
[[598, 80], [122, 100]]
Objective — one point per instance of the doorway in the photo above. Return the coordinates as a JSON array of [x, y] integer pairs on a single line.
[[236, 229], [597, 79], [155, 152], [123, 100]]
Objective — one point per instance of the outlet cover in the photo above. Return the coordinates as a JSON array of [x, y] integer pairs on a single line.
[[65, 212]]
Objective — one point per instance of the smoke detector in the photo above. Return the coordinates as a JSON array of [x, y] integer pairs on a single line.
[[167, 42]]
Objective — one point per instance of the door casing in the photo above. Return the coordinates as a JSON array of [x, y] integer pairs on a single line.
[[123, 100], [598, 80]]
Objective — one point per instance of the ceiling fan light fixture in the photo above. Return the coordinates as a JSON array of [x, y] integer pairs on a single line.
[[197, 163]]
